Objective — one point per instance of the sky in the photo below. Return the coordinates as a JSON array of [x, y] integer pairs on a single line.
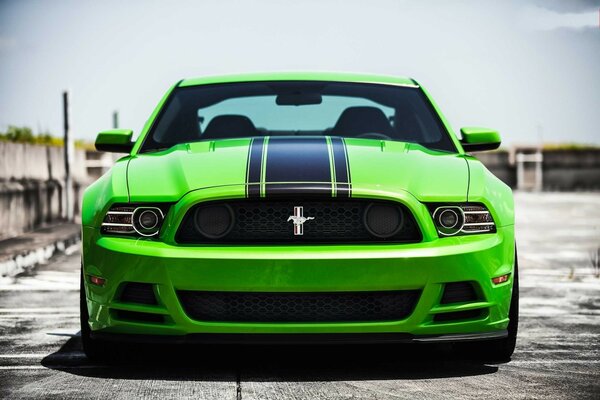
[[530, 69]]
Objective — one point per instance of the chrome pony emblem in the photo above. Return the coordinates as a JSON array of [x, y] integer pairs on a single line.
[[299, 219]]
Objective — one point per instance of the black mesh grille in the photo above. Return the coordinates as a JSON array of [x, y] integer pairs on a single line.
[[382, 220], [266, 221], [134, 292], [299, 307], [457, 292]]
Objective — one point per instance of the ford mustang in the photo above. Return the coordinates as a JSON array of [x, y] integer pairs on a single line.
[[299, 208]]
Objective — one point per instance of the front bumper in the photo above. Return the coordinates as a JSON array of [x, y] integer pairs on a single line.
[[321, 268]]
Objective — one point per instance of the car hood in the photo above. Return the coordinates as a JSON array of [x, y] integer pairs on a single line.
[[295, 165]]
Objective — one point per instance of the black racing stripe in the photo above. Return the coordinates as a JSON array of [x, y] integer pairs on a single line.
[[254, 167], [302, 160], [304, 189], [343, 189], [342, 168], [348, 168]]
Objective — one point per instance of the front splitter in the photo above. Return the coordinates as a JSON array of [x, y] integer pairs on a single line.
[[299, 338]]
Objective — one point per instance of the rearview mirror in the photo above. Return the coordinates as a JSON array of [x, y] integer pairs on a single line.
[[115, 141], [298, 99], [479, 139]]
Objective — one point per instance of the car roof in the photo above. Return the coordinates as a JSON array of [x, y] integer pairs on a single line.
[[301, 76]]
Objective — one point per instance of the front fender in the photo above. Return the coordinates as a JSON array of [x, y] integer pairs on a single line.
[[108, 189], [486, 188]]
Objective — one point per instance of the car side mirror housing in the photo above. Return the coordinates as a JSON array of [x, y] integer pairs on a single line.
[[115, 141], [479, 139]]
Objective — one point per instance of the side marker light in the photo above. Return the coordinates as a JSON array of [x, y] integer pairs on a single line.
[[500, 279], [96, 280]]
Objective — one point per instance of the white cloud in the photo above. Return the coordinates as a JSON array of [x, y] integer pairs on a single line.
[[537, 18]]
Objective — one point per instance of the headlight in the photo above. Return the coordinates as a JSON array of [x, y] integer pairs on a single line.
[[462, 219], [134, 220]]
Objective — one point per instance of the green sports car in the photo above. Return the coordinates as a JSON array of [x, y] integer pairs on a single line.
[[299, 208]]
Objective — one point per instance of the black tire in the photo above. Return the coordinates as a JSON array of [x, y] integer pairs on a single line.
[[499, 349], [95, 350]]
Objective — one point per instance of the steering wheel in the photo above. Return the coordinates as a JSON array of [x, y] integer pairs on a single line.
[[374, 135]]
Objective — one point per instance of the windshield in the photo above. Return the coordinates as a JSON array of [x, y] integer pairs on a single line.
[[297, 108]]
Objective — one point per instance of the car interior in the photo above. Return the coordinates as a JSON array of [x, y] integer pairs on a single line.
[[355, 122]]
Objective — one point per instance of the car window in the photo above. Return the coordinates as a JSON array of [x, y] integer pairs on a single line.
[[308, 117], [296, 108]]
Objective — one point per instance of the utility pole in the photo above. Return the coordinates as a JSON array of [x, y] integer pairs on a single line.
[[539, 181], [68, 154], [115, 119]]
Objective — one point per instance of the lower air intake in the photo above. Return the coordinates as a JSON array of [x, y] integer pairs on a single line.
[[141, 293], [299, 307], [458, 292]]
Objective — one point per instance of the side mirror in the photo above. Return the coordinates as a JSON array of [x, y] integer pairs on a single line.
[[115, 141], [479, 139]]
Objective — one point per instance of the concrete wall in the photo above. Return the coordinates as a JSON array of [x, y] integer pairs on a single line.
[[562, 170], [32, 186], [497, 162], [572, 170]]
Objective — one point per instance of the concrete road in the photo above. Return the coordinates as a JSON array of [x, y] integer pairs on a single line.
[[558, 352]]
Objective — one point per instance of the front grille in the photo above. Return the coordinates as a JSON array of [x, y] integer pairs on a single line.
[[299, 307], [267, 221]]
